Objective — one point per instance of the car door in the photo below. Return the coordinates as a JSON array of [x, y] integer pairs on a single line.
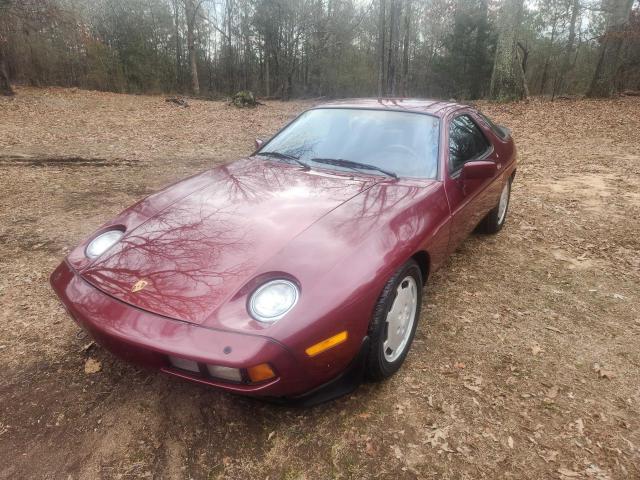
[[469, 200]]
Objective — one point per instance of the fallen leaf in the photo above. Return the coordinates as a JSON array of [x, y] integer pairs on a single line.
[[593, 471], [603, 372], [535, 349], [463, 450], [459, 365], [552, 392], [397, 452], [473, 388], [92, 366], [437, 436], [371, 450], [488, 434], [510, 442], [271, 435], [445, 448], [553, 329], [629, 442], [473, 382], [549, 455], [86, 347], [565, 472]]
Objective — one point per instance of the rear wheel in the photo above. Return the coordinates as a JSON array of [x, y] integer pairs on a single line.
[[494, 221], [394, 322]]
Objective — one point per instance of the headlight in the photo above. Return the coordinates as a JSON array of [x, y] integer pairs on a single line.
[[273, 300], [102, 243]]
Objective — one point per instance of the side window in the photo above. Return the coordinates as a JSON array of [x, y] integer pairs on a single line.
[[466, 142]]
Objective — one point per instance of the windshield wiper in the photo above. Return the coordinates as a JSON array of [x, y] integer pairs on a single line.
[[285, 156], [340, 162]]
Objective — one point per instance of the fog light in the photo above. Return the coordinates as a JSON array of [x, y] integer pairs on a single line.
[[224, 373], [184, 364], [260, 373]]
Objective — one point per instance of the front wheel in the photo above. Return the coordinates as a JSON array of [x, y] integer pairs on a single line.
[[394, 322], [494, 221]]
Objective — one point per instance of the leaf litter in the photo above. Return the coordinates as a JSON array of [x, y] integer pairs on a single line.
[[528, 338]]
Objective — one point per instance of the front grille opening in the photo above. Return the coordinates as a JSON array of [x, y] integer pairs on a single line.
[[214, 372], [184, 364]]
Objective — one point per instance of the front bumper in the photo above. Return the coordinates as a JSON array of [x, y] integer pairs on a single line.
[[147, 339]]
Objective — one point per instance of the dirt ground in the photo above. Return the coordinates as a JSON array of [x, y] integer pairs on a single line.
[[526, 363]]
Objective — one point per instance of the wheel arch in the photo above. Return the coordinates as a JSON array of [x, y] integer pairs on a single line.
[[423, 259]]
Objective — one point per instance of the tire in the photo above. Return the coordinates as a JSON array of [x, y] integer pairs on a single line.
[[496, 218], [406, 286]]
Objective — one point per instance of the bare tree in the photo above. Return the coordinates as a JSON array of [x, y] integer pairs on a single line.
[[176, 23], [394, 43], [7, 20], [20, 16], [290, 48], [617, 17], [381, 49], [507, 80], [569, 52], [5, 84], [547, 62], [405, 48], [191, 8]]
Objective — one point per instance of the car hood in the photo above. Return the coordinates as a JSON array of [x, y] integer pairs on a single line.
[[200, 251]]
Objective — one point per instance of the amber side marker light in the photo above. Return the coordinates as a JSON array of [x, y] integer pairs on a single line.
[[260, 373], [330, 342]]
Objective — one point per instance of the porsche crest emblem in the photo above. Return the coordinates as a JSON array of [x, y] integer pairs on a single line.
[[139, 285]]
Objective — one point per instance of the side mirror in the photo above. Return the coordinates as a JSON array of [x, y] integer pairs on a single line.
[[480, 170], [259, 143]]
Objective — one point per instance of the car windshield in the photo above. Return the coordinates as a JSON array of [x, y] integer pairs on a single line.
[[400, 143]]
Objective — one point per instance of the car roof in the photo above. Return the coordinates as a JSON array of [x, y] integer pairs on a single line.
[[438, 108]]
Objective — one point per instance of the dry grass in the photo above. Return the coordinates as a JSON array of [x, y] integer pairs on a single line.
[[526, 361]]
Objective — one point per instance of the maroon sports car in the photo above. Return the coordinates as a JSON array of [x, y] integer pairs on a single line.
[[293, 273]]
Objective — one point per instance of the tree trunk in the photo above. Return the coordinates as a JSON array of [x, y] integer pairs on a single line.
[[191, 10], [381, 50], [394, 33], [521, 71], [507, 80], [267, 79], [602, 84], [246, 37], [176, 20], [231, 70], [405, 49], [5, 85], [478, 87], [545, 71], [567, 60]]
